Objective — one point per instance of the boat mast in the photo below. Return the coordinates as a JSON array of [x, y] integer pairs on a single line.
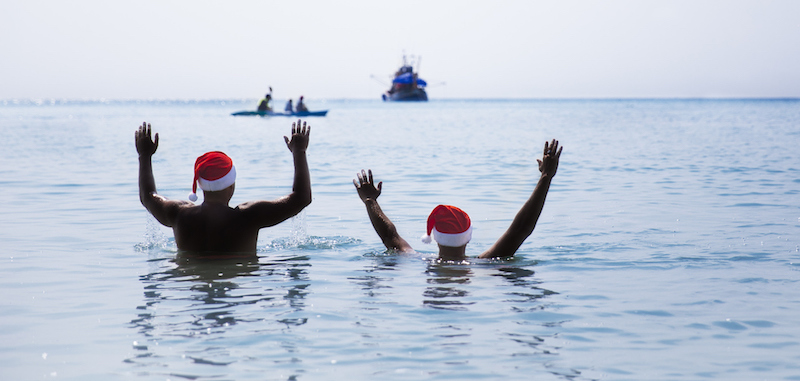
[[414, 74]]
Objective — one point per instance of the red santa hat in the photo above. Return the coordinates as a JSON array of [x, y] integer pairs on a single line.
[[449, 225], [213, 171]]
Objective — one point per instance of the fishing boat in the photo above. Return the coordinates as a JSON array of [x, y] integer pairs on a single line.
[[406, 85], [272, 113]]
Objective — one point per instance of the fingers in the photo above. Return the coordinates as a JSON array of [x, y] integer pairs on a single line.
[[365, 177], [144, 130], [555, 150], [300, 127], [551, 148], [552, 154], [380, 186], [144, 139]]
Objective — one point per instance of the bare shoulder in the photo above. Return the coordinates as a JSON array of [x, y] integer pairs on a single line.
[[258, 204], [171, 203], [166, 211], [267, 213], [180, 205], [178, 208]]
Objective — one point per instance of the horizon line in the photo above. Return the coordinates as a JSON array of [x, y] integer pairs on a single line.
[[53, 100]]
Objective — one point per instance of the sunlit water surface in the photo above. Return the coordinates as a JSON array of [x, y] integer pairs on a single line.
[[667, 249]]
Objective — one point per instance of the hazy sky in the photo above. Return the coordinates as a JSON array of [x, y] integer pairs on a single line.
[[328, 49]]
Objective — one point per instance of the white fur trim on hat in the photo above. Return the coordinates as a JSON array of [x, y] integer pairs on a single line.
[[218, 184], [452, 240]]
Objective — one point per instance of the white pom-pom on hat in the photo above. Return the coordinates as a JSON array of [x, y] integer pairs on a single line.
[[192, 197]]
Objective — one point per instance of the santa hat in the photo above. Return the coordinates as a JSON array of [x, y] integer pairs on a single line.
[[449, 225], [213, 171]]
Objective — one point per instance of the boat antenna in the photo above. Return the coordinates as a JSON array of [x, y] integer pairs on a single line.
[[377, 80]]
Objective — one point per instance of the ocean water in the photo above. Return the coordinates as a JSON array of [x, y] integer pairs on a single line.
[[668, 248]]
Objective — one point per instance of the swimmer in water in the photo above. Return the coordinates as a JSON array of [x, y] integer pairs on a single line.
[[213, 227], [451, 226]]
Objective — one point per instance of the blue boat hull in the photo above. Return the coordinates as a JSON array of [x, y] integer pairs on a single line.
[[271, 113]]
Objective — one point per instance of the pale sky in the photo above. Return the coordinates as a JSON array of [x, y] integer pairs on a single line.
[[329, 50]]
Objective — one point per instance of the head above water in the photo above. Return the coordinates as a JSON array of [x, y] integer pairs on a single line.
[[449, 226], [213, 171]]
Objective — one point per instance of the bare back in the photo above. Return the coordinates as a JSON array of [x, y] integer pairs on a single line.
[[215, 228]]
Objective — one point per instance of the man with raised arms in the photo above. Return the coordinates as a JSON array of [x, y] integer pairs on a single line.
[[213, 227], [451, 226]]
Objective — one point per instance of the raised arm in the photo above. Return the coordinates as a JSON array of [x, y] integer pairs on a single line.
[[301, 189], [269, 213], [383, 225], [526, 218], [161, 208]]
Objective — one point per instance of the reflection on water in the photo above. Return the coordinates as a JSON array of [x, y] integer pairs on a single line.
[[191, 303], [532, 336], [444, 291], [530, 290], [460, 289], [374, 280], [469, 307]]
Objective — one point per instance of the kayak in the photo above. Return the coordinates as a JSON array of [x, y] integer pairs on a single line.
[[272, 113]]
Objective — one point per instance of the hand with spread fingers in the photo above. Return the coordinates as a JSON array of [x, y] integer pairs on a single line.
[[549, 163], [300, 137], [145, 145], [366, 186]]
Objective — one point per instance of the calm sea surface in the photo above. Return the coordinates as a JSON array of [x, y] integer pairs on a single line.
[[668, 249]]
